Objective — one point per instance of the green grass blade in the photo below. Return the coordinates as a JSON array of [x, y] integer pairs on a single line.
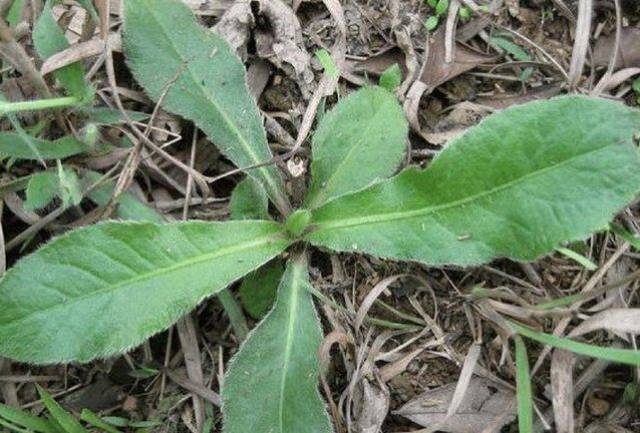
[[26, 420], [621, 356], [524, 394], [64, 419]]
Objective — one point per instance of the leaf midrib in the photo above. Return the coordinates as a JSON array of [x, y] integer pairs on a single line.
[[293, 314], [386, 217], [151, 275], [243, 142]]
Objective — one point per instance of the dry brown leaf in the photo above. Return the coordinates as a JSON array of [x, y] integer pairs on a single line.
[[562, 390], [235, 26], [281, 43], [437, 71], [80, 51], [628, 52], [616, 320], [378, 63], [484, 405], [461, 117], [372, 407]]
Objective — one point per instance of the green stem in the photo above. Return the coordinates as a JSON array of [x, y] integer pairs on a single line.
[[40, 104]]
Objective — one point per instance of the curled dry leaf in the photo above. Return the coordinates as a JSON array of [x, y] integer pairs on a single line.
[[235, 26], [373, 407], [628, 51], [281, 43], [485, 405]]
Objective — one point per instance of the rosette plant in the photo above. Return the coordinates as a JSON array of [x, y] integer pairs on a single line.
[[520, 184]]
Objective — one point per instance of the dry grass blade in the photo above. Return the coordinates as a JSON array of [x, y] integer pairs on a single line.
[[581, 43], [373, 294], [466, 374], [617, 320], [562, 390]]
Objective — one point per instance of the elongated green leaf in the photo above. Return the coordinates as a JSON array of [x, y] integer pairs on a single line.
[[14, 145], [49, 39], [249, 201], [518, 185], [620, 356], [361, 141], [524, 393], [95, 421], [204, 81], [26, 420], [67, 422], [111, 116], [100, 290], [271, 384]]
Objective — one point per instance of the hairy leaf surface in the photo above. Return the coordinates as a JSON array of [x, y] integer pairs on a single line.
[[129, 206], [518, 185], [100, 290], [19, 146], [201, 79], [361, 141], [259, 289], [271, 384], [249, 201], [42, 189], [49, 39]]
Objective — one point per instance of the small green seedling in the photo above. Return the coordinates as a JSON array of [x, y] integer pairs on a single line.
[[523, 183]]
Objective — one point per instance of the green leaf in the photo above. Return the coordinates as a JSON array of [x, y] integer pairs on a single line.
[[26, 420], [259, 289], [204, 81], [70, 191], [518, 185], [249, 201], [361, 141], [511, 48], [431, 23], [524, 393], [112, 116], [49, 39], [15, 145], [619, 356], [465, 13], [129, 207], [391, 78], [442, 7], [42, 189], [579, 258], [67, 422], [329, 66], [95, 421], [14, 15], [106, 288], [271, 384]]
